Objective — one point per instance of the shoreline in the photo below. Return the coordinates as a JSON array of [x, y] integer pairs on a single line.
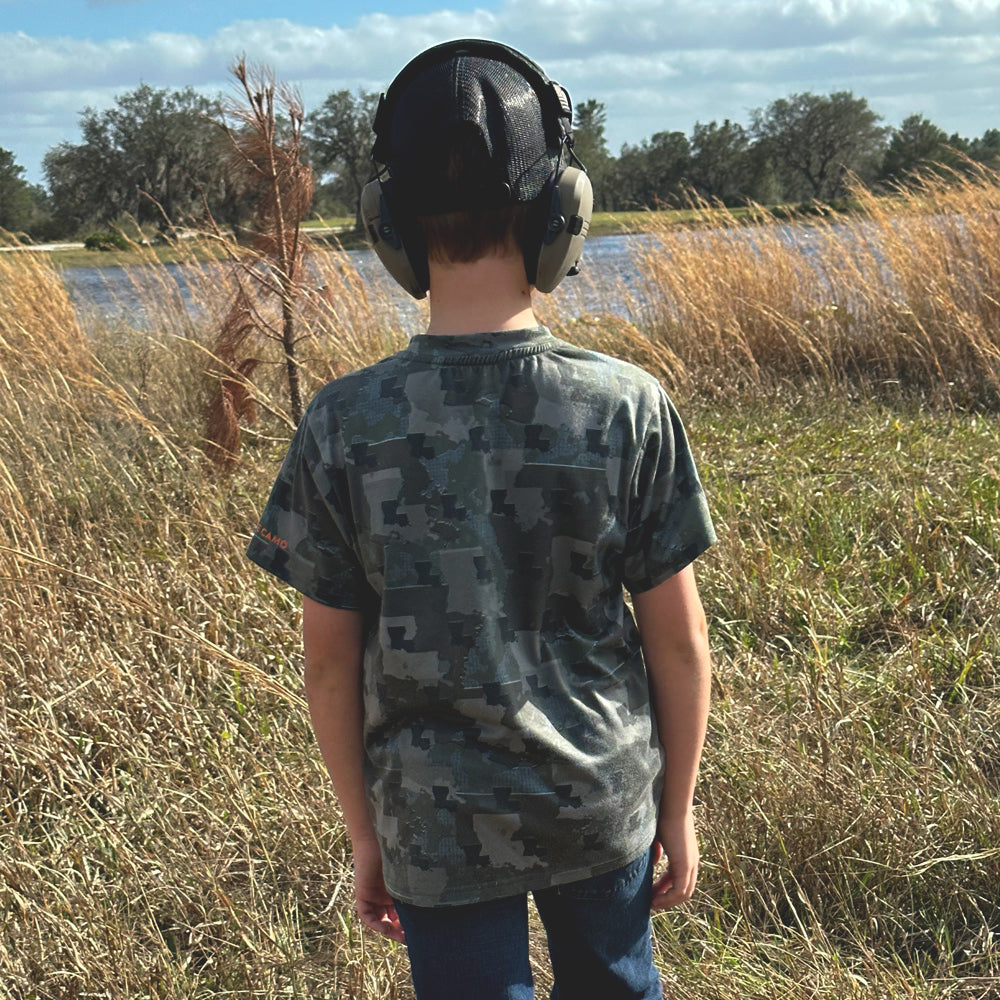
[[189, 248], [192, 247]]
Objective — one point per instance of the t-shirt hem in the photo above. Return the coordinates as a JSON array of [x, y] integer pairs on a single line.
[[483, 892], [649, 582], [261, 557]]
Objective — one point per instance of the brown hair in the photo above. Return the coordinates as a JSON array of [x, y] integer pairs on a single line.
[[462, 237]]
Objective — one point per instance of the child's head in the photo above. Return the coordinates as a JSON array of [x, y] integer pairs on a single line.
[[472, 151]]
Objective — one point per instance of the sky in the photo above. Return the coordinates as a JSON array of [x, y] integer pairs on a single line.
[[657, 65]]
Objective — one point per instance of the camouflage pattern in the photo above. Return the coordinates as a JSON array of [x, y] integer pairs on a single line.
[[482, 500]]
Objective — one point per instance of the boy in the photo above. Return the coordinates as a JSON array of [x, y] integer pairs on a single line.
[[461, 519]]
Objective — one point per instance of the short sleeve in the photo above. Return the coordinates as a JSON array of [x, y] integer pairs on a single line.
[[305, 535], [669, 524]]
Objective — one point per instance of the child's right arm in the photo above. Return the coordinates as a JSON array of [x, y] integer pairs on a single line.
[[674, 636], [332, 639]]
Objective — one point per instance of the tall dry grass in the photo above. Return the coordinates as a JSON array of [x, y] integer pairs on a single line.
[[166, 829], [903, 295]]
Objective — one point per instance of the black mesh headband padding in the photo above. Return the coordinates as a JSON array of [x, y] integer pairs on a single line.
[[486, 84], [486, 108], [555, 107]]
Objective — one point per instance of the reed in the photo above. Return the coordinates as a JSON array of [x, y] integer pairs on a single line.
[[166, 828], [900, 296]]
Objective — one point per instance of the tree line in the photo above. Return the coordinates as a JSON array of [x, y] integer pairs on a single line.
[[160, 157], [805, 147]]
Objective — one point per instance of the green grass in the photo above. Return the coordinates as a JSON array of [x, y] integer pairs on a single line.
[[854, 600], [619, 223], [183, 251], [335, 222]]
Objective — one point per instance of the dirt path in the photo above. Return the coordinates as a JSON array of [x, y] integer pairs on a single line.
[[47, 247]]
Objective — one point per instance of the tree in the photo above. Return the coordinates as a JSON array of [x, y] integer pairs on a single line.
[[156, 155], [817, 141], [916, 144], [341, 137], [85, 180], [986, 149], [267, 153], [651, 174], [720, 167], [17, 201], [591, 146], [589, 121]]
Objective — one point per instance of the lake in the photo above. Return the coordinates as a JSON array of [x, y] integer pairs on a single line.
[[608, 268]]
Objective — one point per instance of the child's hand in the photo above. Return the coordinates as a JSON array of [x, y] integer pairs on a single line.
[[373, 901], [677, 840]]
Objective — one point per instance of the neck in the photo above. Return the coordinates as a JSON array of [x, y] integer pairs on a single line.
[[489, 294]]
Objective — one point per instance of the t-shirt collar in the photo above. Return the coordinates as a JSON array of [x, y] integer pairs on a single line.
[[480, 348]]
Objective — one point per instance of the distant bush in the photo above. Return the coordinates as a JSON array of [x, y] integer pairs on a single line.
[[106, 239]]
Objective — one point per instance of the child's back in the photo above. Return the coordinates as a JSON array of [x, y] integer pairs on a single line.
[[484, 498]]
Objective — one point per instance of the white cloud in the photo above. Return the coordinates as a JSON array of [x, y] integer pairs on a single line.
[[656, 64]]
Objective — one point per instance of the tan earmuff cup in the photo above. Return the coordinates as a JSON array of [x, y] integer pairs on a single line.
[[568, 222], [385, 239]]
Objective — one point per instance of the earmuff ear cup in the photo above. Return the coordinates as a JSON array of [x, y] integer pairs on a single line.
[[387, 233], [566, 223]]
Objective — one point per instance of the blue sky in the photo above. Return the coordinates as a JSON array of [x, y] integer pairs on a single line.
[[656, 64], [102, 20]]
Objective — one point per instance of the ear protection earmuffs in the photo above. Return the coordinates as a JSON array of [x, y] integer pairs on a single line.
[[562, 211], [406, 262]]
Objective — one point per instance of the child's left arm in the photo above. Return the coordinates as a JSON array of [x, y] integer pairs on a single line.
[[333, 649], [674, 636]]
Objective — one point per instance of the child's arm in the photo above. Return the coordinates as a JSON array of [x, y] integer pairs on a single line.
[[333, 647], [674, 635]]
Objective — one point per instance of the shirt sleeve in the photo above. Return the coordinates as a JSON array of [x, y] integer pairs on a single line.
[[305, 535], [669, 524]]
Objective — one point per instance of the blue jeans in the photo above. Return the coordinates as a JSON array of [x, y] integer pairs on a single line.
[[598, 934]]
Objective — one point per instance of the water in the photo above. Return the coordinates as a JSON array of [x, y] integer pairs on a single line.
[[609, 282], [110, 294]]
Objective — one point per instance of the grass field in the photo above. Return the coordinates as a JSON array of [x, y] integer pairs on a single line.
[[166, 829]]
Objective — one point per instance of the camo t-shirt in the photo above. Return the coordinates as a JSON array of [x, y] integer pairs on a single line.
[[483, 500]]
